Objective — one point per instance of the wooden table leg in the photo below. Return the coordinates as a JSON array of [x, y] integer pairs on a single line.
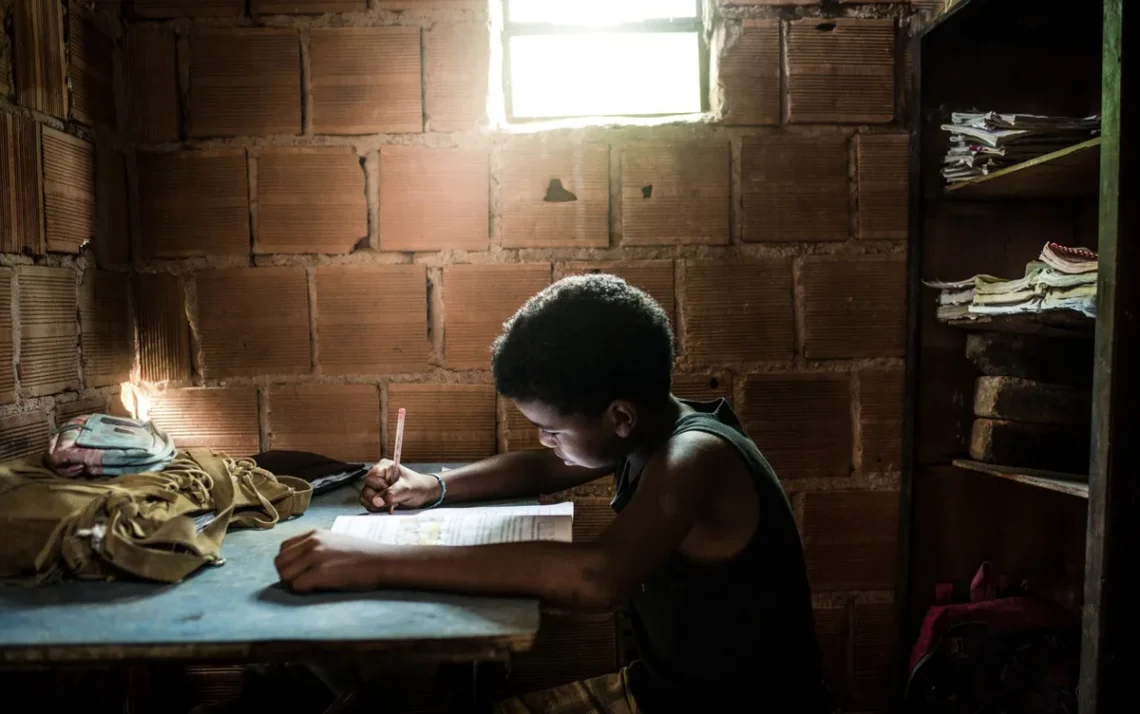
[[140, 692]]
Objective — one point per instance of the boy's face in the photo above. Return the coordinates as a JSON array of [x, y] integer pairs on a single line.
[[579, 441]]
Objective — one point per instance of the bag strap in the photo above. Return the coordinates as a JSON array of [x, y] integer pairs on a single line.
[[291, 497], [166, 565]]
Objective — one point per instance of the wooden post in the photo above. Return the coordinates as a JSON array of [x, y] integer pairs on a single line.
[[1112, 576]]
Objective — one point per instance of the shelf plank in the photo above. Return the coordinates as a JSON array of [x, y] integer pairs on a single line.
[[1053, 323], [1072, 171], [1071, 484]]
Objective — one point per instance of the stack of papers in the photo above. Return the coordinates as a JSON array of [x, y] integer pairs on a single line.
[[1062, 278], [983, 143], [478, 525]]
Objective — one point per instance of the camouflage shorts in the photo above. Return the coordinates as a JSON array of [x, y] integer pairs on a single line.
[[608, 694]]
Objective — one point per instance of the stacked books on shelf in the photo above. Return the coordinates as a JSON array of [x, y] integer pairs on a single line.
[[1061, 278], [981, 144]]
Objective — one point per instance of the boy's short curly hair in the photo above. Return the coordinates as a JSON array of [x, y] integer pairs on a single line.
[[583, 342]]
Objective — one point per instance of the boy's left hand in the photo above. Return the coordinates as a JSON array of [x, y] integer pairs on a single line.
[[322, 560]]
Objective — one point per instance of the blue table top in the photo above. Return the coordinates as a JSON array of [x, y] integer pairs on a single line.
[[239, 611]]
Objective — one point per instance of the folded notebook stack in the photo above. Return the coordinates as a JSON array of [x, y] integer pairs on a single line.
[[983, 143], [1061, 278]]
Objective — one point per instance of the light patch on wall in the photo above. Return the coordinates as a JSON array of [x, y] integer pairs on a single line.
[[590, 62], [605, 74], [599, 12]]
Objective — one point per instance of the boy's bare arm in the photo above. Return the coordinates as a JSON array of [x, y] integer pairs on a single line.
[[514, 475], [593, 576]]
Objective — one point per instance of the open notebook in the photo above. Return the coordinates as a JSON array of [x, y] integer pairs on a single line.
[[476, 525]]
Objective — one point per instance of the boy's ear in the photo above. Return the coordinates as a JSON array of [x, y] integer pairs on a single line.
[[623, 417]]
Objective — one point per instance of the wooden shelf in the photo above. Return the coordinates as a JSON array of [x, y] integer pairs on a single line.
[[1072, 171], [1071, 484], [1053, 323]]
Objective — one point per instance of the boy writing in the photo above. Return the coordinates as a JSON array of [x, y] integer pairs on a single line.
[[704, 548]]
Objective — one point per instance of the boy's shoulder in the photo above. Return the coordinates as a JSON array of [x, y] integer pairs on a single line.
[[695, 452]]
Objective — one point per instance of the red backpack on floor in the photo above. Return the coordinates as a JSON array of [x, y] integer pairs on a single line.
[[1012, 654]]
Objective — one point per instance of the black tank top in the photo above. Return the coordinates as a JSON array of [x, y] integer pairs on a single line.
[[737, 635]]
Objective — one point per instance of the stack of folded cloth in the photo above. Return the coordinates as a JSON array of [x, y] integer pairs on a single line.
[[102, 445]]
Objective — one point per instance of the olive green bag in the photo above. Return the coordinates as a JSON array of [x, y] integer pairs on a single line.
[[154, 526]]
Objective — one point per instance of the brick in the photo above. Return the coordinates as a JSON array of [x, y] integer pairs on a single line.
[[1034, 357], [554, 195], [91, 70], [517, 433], [703, 387], [245, 82], [738, 310], [592, 516], [164, 331], [194, 203], [112, 234], [445, 422], [1038, 402], [854, 307], [49, 361], [341, 421], [1033, 446], [7, 343], [306, 7], [795, 188], [310, 201], [433, 199], [801, 421], [832, 626], [105, 328], [224, 419], [881, 418], [38, 56], [21, 186], [883, 172], [5, 59], [372, 319], [841, 71], [351, 96], [874, 640], [851, 539], [675, 193], [568, 648], [475, 314], [80, 407], [253, 321], [69, 191], [748, 75], [655, 277], [150, 57], [158, 9], [23, 435], [457, 65]]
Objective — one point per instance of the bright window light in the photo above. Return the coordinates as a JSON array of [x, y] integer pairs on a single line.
[[605, 74], [599, 12], [605, 58]]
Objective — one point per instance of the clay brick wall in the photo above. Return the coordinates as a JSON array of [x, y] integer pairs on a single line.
[[322, 228], [67, 336]]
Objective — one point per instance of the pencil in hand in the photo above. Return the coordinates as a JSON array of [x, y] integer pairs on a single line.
[[396, 450]]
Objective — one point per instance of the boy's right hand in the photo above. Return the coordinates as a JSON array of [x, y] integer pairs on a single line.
[[387, 486]]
